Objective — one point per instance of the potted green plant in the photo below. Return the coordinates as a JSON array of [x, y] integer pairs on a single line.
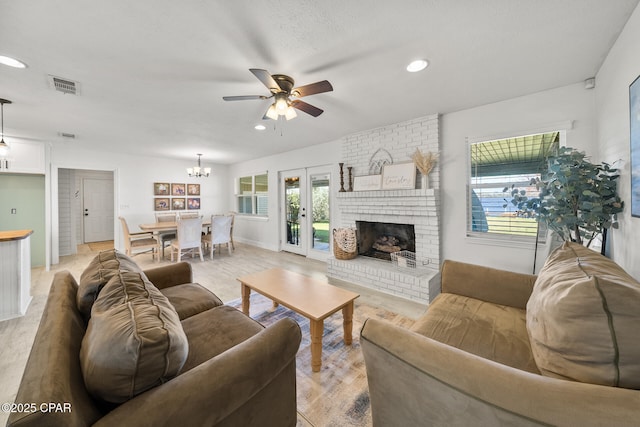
[[577, 199]]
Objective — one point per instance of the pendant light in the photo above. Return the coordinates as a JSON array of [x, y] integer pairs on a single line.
[[4, 148], [199, 171]]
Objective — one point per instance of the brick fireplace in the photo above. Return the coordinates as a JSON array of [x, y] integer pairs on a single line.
[[405, 214], [379, 240]]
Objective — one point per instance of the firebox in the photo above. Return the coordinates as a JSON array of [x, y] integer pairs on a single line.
[[380, 239]]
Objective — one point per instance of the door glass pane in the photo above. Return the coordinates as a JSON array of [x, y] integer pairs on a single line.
[[320, 211], [292, 207]]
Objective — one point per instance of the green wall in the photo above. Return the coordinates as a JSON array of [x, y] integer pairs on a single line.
[[26, 194]]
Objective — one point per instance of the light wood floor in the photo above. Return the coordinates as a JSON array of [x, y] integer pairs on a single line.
[[218, 275]]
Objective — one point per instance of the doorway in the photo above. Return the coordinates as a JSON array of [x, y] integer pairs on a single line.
[[306, 211], [85, 208], [97, 209]]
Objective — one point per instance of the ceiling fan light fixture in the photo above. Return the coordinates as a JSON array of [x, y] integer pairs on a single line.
[[281, 104], [417, 65], [290, 113], [272, 113]]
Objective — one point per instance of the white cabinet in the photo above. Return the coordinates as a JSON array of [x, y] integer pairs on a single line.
[[24, 157]]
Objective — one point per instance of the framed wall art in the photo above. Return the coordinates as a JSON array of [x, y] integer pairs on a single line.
[[161, 188], [161, 204], [367, 182], [177, 203], [193, 203], [177, 189], [634, 122], [399, 176], [193, 189]]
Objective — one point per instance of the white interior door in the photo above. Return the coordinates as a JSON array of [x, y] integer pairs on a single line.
[[97, 209]]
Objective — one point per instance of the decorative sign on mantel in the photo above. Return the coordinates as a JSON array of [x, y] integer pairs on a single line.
[[399, 176], [367, 183]]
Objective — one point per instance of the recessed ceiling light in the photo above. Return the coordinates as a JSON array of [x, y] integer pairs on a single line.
[[417, 65], [12, 62], [260, 127]]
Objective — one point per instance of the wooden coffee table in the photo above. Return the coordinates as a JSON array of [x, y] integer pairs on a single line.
[[308, 297]]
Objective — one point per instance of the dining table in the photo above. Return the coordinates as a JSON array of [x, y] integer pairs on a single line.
[[158, 227], [167, 226]]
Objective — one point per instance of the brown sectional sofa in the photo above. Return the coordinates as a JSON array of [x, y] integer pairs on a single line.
[[236, 372], [498, 348]]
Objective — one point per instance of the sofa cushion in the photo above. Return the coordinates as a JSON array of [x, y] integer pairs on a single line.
[[190, 298], [583, 319], [98, 273], [215, 331], [492, 331], [134, 339]]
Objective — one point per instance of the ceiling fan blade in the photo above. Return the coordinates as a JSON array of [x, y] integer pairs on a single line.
[[265, 77], [265, 117], [244, 97], [307, 108], [312, 89]]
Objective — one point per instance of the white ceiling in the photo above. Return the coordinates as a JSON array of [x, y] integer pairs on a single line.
[[152, 73]]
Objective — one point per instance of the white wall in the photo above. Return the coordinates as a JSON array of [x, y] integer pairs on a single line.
[[263, 232], [134, 177], [508, 118], [618, 71]]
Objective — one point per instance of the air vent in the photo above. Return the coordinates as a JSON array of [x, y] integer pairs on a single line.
[[64, 85], [67, 135]]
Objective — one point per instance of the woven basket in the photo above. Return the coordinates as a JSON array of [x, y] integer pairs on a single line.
[[344, 243]]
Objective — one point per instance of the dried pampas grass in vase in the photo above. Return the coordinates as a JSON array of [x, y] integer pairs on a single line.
[[425, 163]]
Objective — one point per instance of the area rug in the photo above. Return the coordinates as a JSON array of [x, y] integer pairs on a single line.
[[101, 246], [338, 395]]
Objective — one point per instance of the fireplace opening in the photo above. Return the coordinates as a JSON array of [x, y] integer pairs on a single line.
[[379, 239]]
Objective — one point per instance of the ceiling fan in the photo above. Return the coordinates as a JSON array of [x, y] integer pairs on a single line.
[[282, 90]]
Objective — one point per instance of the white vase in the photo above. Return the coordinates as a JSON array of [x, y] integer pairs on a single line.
[[424, 181]]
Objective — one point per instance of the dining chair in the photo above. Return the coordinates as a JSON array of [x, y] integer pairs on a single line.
[[220, 233], [166, 236], [189, 233], [183, 215], [143, 240], [232, 214]]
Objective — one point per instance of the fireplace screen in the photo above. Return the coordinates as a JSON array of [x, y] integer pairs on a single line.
[[380, 239]]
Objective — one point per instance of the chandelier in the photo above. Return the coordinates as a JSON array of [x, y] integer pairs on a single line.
[[199, 171], [4, 147]]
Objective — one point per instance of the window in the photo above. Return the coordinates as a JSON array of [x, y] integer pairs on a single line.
[[506, 163], [252, 194]]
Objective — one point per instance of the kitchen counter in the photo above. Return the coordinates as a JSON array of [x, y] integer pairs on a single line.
[[14, 235], [15, 273]]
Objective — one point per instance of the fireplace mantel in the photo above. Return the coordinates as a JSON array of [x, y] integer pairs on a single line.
[[420, 192]]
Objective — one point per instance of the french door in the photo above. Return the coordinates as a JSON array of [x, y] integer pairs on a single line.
[[306, 211]]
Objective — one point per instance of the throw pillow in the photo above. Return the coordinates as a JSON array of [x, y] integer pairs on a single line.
[[97, 274], [134, 340], [583, 319]]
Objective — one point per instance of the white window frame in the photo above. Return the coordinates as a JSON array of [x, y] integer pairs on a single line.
[[499, 239], [257, 198]]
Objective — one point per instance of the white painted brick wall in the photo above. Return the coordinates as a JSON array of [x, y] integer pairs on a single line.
[[420, 207]]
